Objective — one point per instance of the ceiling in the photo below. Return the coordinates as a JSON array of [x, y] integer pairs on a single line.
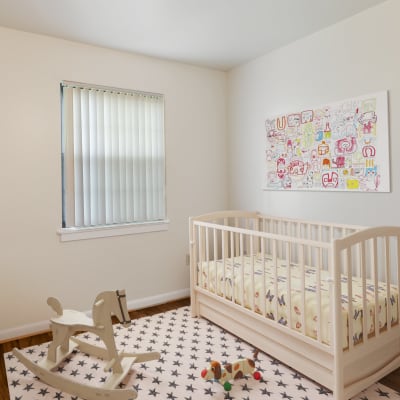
[[214, 33]]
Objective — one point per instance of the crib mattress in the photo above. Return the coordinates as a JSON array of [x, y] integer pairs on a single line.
[[238, 280]]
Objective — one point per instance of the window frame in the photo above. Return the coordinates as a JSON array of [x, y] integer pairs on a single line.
[[71, 234], [113, 229]]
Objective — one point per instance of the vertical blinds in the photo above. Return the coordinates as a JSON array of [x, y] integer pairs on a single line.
[[113, 156]]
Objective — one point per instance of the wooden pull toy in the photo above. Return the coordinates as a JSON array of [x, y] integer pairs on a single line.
[[235, 370]]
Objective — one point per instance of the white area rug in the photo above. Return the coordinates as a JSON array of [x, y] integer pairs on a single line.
[[186, 345]]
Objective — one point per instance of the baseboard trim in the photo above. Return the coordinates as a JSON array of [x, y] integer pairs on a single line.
[[151, 301], [35, 328], [22, 331]]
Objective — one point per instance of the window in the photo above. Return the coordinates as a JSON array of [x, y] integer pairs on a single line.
[[113, 157]]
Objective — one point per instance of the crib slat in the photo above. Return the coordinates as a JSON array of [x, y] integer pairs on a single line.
[[232, 243], [309, 255], [289, 286], [364, 291], [194, 263], [253, 283], [241, 272], [374, 263], [303, 289], [397, 264], [207, 250], [349, 294], [215, 241], [214, 260], [275, 268], [201, 254], [388, 279], [224, 250], [236, 224], [397, 267], [264, 289], [318, 293], [280, 230], [321, 263]]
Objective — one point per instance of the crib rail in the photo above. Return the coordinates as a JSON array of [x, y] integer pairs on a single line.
[[283, 270], [231, 262], [319, 231]]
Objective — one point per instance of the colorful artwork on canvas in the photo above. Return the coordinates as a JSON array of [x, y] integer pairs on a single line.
[[338, 147]]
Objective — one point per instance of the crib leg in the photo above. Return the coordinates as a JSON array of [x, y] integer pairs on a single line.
[[338, 388], [194, 307]]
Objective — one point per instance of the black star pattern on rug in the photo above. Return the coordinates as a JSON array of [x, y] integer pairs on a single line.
[[187, 345], [43, 391]]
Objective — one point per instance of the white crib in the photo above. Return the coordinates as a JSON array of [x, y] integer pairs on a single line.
[[283, 285]]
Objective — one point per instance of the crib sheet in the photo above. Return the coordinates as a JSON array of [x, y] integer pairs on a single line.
[[239, 280]]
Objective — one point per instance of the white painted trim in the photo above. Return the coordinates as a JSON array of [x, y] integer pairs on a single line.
[[23, 330], [69, 234], [151, 301], [135, 304]]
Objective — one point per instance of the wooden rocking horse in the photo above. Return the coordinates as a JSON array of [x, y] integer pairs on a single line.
[[66, 324]]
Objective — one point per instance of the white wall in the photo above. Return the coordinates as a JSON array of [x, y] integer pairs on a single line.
[[355, 57], [34, 264]]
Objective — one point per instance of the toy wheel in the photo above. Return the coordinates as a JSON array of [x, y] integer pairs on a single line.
[[257, 375], [227, 386]]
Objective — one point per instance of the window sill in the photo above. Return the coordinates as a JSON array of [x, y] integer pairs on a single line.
[[70, 234]]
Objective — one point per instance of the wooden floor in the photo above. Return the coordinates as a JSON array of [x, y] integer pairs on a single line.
[[46, 337], [392, 380]]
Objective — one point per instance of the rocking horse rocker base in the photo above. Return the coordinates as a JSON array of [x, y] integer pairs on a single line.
[[69, 322]]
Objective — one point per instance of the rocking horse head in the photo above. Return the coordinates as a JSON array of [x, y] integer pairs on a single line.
[[111, 303]]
